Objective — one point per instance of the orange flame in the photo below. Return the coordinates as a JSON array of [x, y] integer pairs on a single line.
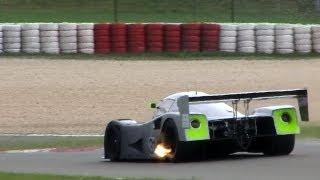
[[161, 151]]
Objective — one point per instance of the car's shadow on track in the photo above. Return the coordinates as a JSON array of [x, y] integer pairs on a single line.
[[232, 157]]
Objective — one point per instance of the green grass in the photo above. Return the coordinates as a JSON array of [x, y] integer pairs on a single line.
[[298, 11], [24, 142], [170, 56], [24, 176], [310, 131]]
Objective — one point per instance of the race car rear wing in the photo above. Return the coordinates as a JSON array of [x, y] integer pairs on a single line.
[[300, 94]]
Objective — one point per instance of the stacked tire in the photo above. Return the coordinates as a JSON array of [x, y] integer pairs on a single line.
[[172, 37], [68, 38], [1, 40], [49, 38], [11, 38], [246, 38], [302, 39], [136, 38], [265, 38], [30, 36], [316, 38], [228, 38], [210, 37], [119, 38], [191, 37], [154, 37], [102, 40], [284, 39], [85, 38]]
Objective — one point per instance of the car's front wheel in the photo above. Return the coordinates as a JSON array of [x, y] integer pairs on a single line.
[[112, 141]]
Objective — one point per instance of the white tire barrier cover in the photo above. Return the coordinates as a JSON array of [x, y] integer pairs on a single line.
[[67, 26], [68, 33], [11, 40], [51, 45], [85, 33], [265, 32], [49, 27], [86, 45], [30, 39], [85, 26], [49, 33], [228, 39], [265, 38], [49, 39], [85, 39], [29, 26], [71, 39], [225, 33]]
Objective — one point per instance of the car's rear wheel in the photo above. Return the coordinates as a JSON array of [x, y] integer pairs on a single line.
[[180, 151], [112, 142], [170, 138], [278, 145]]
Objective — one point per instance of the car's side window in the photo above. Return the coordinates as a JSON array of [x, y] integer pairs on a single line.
[[164, 106], [174, 107]]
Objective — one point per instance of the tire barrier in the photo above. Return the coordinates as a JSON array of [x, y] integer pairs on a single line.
[[119, 38], [154, 37], [85, 38], [49, 38], [284, 38], [102, 40], [228, 38], [246, 38], [302, 39], [210, 37], [316, 38], [1, 40], [190, 37], [68, 38], [136, 38], [11, 38], [90, 38], [172, 37], [265, 38], [30, 38]]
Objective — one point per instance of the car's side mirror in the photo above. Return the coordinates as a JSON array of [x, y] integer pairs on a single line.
[[153, 105]]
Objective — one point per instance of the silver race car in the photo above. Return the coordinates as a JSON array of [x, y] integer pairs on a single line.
[[196, 125]]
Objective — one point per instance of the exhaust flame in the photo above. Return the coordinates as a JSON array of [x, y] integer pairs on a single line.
[[161, 151]]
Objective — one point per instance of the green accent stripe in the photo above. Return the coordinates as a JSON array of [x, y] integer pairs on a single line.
[[282, 127], [201, 133]]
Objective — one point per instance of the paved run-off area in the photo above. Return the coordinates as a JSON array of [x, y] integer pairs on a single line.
[[303, 163], [79, 96]]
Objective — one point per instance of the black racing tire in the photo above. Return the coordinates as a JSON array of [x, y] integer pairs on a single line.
[[181, 151], [170, 137], [112, 141], [279, 145]]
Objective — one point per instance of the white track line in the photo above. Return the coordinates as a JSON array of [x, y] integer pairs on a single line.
[[53, 135], [29, 151]]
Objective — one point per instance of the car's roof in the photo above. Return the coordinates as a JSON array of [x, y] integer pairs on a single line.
[[189, 93]]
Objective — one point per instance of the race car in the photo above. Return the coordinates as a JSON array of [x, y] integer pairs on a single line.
[[195, 125]]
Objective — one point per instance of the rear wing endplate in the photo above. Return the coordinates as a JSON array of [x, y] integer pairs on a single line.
[[300, 94]]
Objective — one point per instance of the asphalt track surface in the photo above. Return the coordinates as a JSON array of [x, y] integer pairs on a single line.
[[303, 163]]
